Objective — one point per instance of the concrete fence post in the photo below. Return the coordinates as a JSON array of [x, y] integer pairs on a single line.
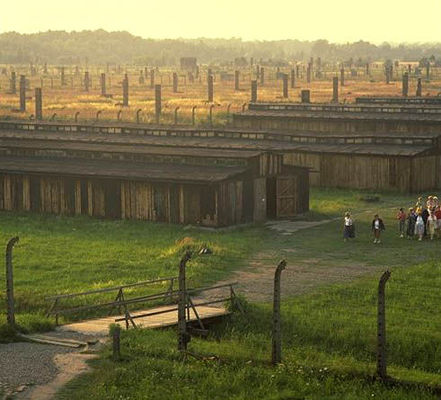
[[183, 336], [157, 103], [10, 304], [335, 89], [381, 327], [254, 91], [419, 90], [276, 353], [22, 89], [38, 104]]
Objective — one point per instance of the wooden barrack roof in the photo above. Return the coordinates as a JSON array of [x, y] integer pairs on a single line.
[[116, 169]]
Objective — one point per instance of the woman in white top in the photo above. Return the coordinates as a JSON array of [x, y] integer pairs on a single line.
[[348, 227]]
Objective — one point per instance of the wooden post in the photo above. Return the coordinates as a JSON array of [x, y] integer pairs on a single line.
[[276, 354], [103, 84], [152, 78], [210, 89], [254, 91], [405, 87], [13, 83], [236, 80], [116, 339], [419, 90], [342, 75], [335, 89], [38, 104], [305, 96], [22, 89], [175, 82], [158, 103], [285, 86], [86, 81], [262, 76], [183, 337], [381, 335], [10, 310], [293, 78], [125, 85]]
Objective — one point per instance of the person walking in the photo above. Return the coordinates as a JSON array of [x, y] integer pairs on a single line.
[[348, 227], [377, 228], [401, 217]]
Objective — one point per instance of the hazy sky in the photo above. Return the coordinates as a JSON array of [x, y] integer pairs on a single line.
[[335, 20]]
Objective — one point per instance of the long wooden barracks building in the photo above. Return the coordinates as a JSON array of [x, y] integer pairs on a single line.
[[363, 146], [75, 169]]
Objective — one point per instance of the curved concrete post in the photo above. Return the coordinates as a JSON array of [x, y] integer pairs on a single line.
[[276, 356]]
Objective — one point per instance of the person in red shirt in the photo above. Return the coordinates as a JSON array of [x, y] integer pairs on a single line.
[[401, 217]]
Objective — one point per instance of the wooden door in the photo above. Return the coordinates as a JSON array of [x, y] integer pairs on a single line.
[[286, 196]]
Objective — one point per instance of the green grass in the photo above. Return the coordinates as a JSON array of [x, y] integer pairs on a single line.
[[58, 255], [328, 350]]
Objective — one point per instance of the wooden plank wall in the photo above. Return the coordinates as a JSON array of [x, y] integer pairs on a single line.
[[308, 160]]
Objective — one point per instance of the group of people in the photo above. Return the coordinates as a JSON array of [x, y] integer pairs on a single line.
[[421, 221]]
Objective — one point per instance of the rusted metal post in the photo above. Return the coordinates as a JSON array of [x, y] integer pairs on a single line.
[[236, 80], [157, 103], [10, 306], [22, 89], [210, 89], [285, 86], [125, 88], [103, 84], [335, 89], [254, 91], [38, 104], [419, 90], [183, 337], [116, 343], [193, 115], [405, 87], [381, 335], [276, 354]]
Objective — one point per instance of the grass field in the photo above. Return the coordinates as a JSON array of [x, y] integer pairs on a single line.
[[328, 332], [66, 101]]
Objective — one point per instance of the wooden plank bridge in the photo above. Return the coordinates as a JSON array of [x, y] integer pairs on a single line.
[[199, 308]]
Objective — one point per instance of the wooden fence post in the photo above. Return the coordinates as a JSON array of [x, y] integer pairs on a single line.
[[276, 354], [183, 337], [22, 89], [254, 91], [38, 104], [157, 103], [10, 283], [116, 343], [381, 325]]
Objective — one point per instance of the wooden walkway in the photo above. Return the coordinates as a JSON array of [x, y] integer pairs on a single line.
[[100, 326]]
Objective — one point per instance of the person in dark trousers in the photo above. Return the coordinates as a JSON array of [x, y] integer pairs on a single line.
[[425, 215], [377, 228]]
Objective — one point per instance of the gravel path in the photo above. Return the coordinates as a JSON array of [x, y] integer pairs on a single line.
[[27, 364]]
